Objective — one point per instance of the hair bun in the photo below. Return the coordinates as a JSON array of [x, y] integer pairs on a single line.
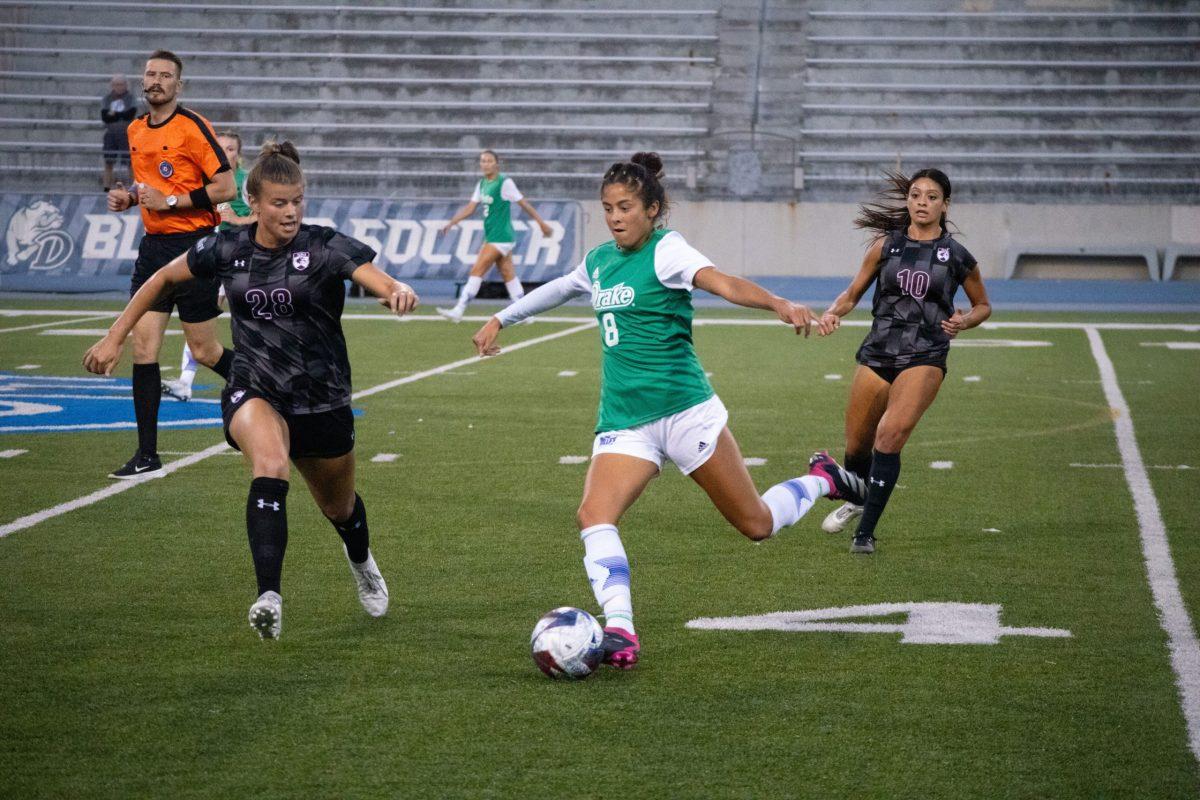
[[651, 162], [284, 148]]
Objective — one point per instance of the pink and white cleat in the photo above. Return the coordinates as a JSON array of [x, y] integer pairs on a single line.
[[843, 484], [621, 648]]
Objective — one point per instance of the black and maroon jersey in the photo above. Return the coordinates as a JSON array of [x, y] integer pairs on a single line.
[[914, 293], [286, 306]]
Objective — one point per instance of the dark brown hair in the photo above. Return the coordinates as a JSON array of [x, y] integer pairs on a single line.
[[278, 163], [167, 55], [889, 211], [642, 174], [492, 153]]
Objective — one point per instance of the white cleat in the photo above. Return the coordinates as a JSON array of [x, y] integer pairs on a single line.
[[372, 590], [837, 521], [453, 314], [266, 615], [177, 389]]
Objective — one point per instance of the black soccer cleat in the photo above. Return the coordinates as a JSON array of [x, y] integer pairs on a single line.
[[863, 543], [139, 466], [843, 484]]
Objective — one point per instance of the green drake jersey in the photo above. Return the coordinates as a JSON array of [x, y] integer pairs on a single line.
[[496, 196], [643, 302]]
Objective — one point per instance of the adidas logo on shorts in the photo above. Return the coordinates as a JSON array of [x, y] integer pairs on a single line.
[[702, 446]]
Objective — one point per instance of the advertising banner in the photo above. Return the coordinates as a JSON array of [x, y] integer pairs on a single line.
[[72, 243]]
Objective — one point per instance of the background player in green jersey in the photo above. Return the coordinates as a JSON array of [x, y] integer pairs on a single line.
[[496, 192], [233, 214], [655, 400]]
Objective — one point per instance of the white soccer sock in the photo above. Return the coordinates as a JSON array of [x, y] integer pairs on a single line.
[[469, 290], [515, 290], [187, 367], [608, 570], [791, 500]]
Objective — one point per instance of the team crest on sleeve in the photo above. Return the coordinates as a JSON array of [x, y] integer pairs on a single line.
[[943, 254], [237, 396], [300, 261], [165, 169]]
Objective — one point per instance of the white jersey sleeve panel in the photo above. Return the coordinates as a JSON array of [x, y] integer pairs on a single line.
[[547, 296], [676, 262], [510, 192], [476, 196]]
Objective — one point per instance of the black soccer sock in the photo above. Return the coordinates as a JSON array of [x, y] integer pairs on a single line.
[[266, 525], [885, 469], [858, 463], [224, 363], [354, 532], [147, 392]]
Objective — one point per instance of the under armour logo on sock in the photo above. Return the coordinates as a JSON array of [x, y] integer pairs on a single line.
[[274, 504], [877, 483]]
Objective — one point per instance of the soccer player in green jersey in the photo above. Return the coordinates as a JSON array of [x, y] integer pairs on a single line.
[[496, 192], [233, 214], [655, 400]]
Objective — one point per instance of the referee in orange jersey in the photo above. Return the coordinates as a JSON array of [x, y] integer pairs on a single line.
[[180, 174]]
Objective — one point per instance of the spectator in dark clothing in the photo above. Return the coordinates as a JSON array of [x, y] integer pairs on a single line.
[[117, 109]]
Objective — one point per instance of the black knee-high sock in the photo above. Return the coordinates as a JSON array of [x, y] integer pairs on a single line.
[[353, 531], [266, 525], [224, 363], [858, 463], [147, 392], [885, 469]]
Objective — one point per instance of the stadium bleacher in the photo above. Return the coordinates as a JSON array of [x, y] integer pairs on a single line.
[[749, 99]]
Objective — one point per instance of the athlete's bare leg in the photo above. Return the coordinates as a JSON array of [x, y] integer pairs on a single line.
[[912, 393], [262, 436], [202, 339], [868, 401], [331, 481], [727, 482], [614, 481]]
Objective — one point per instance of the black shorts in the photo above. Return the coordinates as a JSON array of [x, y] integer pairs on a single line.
[[326, 434], [890, 374], [197, 298]]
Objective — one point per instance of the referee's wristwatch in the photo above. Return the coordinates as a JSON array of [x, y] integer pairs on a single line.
[[172, 201]]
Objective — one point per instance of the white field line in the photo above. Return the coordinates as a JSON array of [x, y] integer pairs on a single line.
[[1160, 568], [30, 520], [850, 323], [59, 322]]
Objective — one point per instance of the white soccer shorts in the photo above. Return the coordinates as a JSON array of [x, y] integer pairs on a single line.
[[688, 437]]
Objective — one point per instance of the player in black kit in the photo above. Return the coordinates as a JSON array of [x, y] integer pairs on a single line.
[[288, 396], [916, 268]]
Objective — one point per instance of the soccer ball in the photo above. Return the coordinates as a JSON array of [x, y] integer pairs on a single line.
[[567, 643]]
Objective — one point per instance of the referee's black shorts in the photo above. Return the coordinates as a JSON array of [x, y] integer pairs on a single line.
[[197, 298]]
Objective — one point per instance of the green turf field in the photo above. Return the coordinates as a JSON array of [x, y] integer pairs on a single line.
[[128, 669]]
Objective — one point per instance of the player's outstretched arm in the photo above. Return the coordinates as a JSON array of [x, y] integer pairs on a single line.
[[103, 356], [462, 214], [846, 301], [742, 292], [397, 296], [545, 297], [528, 208]]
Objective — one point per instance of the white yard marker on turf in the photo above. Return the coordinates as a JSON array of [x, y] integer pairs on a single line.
[[29, 366], [1122, 466], [572, 459], [12, 453], [754, 462], [568, 373], [1160, 568], [972, 378], [30, 520], [385, 458], [94, 331], [833, 376], [59, 322], [1174, 345], [970, 342], [941, 465]]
